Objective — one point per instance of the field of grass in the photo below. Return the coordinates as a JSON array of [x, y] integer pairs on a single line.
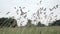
[[31, 30]]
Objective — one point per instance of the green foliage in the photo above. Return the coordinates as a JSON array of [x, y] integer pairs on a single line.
[[55, 23], [40, 25], [29, 24], [8, 22]]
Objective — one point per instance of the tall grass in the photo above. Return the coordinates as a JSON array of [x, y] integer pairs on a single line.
[[31, 30]]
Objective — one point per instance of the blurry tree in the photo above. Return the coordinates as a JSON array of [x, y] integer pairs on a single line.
[[29, 24], [8, 22], [55, 23], [40, 25]]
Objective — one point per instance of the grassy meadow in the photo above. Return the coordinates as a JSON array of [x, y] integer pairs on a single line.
[[31, 30]]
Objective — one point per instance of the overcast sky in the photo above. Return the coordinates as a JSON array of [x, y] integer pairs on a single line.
[[31, 5]]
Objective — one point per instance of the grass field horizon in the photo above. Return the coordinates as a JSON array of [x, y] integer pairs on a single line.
[[31, 30]]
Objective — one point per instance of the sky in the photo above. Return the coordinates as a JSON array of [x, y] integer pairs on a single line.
[[30, 5]]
